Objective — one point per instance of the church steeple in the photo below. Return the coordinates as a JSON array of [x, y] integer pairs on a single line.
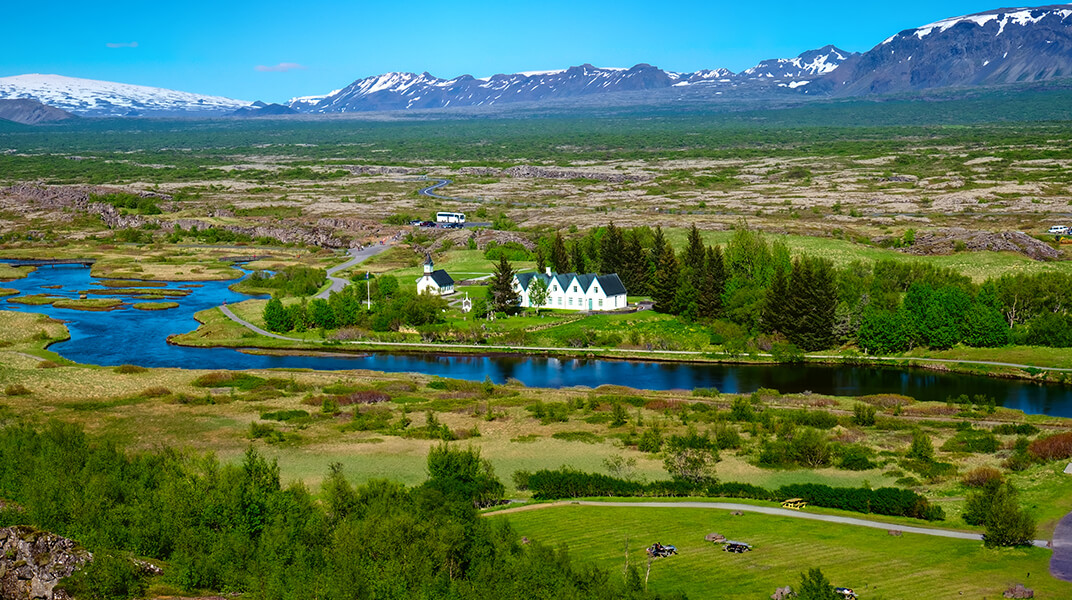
[[429, 266]]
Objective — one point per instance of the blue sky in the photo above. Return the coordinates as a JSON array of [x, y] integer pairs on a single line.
[[275, 49]]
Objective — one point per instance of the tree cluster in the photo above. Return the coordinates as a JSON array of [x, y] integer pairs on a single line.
[[235, 529]]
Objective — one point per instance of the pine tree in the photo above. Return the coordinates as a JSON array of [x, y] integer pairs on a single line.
[[712, 284], [578, 259], [634, 268], [560, 261], [694, 250], [541, 260], [666, 277], [504, 297], [774, 317], [611, 250]]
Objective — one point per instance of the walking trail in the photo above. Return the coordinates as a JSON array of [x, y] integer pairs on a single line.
[[781, 512], [357, 257], [1061, 562]]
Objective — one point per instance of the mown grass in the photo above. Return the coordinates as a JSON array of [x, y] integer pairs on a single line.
[[872, 562]]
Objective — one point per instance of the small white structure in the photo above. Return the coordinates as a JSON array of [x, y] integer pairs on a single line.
[[1068, 469], [437, 283], [572, 291], [450, 217], [467, 304]]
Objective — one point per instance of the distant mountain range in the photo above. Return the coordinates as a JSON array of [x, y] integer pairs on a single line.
[[31, 112], [1003, 46]]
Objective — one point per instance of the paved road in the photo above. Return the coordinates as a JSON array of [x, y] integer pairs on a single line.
[[358, 256], [770, 510], [430, 190], [1061, 562]]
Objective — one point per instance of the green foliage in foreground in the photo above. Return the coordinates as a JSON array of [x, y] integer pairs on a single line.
[[235, 529]]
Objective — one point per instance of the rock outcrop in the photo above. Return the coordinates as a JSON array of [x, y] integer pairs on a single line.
[[946, 241], [534, 172], [32, 563]]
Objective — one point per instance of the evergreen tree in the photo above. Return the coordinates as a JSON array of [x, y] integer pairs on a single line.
[[695, 254], [775, 317], [611, 251], [541, 259], [275, 316], [666, 275], [504, 297], [634, 267], [579, 260], [811, 304], [560, 260], [712, 284]]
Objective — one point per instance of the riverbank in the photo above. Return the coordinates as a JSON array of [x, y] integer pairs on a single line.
[[215, 332]]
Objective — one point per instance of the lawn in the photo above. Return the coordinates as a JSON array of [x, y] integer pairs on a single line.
[[872, 562]]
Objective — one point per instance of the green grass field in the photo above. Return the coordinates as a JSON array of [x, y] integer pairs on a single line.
[[872, 562]]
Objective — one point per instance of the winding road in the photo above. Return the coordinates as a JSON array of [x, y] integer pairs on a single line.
[[358, 257], [770, 510], [430, 190], [1061, 562]]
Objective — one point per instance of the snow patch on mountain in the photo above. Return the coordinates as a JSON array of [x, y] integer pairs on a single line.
[[105, 98], [1022, 17]]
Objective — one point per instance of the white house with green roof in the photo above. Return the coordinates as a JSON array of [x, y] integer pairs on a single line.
[[573, 291]]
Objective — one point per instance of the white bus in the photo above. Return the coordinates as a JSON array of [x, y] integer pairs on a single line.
[[450, 217]]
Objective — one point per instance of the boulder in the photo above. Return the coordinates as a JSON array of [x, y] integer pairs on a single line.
[[32, 562]]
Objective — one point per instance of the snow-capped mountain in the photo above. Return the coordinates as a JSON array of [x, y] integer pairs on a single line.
[[90, 97], [399, 91], [1007, 45], [810, 64]]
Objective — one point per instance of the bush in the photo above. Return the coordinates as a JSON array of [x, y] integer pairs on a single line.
[[863, 414], [155, 392], [706, 392], [982, 477], [972, 440], [1015, 429], [284, 415], [1054, 447], [106, 577], [856, 458], [130, 369], [241, 381], [17, 389]]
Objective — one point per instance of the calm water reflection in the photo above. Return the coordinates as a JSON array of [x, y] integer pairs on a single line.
[[139, 337]]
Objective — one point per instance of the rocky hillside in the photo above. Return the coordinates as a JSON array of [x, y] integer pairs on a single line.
[[1009, 45], [32, 563], [30, 112]]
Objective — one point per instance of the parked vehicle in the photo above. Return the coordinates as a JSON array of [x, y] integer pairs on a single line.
[[845, 592], [450, 217], [1058, 230], [428, 223], [658, 550], [737, 547]]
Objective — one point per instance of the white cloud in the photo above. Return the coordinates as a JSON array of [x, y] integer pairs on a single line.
[[122, 44], [280, 68]]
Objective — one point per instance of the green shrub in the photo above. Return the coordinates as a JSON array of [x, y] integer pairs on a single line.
[[17, 389], [130, 369], [577, 436], [284, 415]]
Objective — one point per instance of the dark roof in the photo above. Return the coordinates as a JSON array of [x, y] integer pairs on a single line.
[[611, 284], [442, 279]]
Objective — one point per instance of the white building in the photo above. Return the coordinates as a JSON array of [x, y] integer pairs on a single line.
[[573, 291], [437, 283]]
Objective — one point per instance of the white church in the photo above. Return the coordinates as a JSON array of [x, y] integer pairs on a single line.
[[573, 291], [435, 282]]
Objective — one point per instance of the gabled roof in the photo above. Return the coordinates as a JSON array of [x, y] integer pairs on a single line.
[[610, 284], [442, 279]]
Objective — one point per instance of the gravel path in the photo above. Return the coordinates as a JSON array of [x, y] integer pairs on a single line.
[[1061, 563], [358, 256], [780, 512]]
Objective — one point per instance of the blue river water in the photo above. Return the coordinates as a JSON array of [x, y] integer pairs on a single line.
[[130, 336]]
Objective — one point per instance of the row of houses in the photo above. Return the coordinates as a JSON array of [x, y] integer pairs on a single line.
[[566, 291]]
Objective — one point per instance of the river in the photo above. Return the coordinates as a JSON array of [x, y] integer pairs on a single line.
[[130, 336]]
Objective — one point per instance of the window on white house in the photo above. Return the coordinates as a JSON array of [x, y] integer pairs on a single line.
[[560, 300], [571, 301], [600, 302], [575, 290], [554, 288]]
